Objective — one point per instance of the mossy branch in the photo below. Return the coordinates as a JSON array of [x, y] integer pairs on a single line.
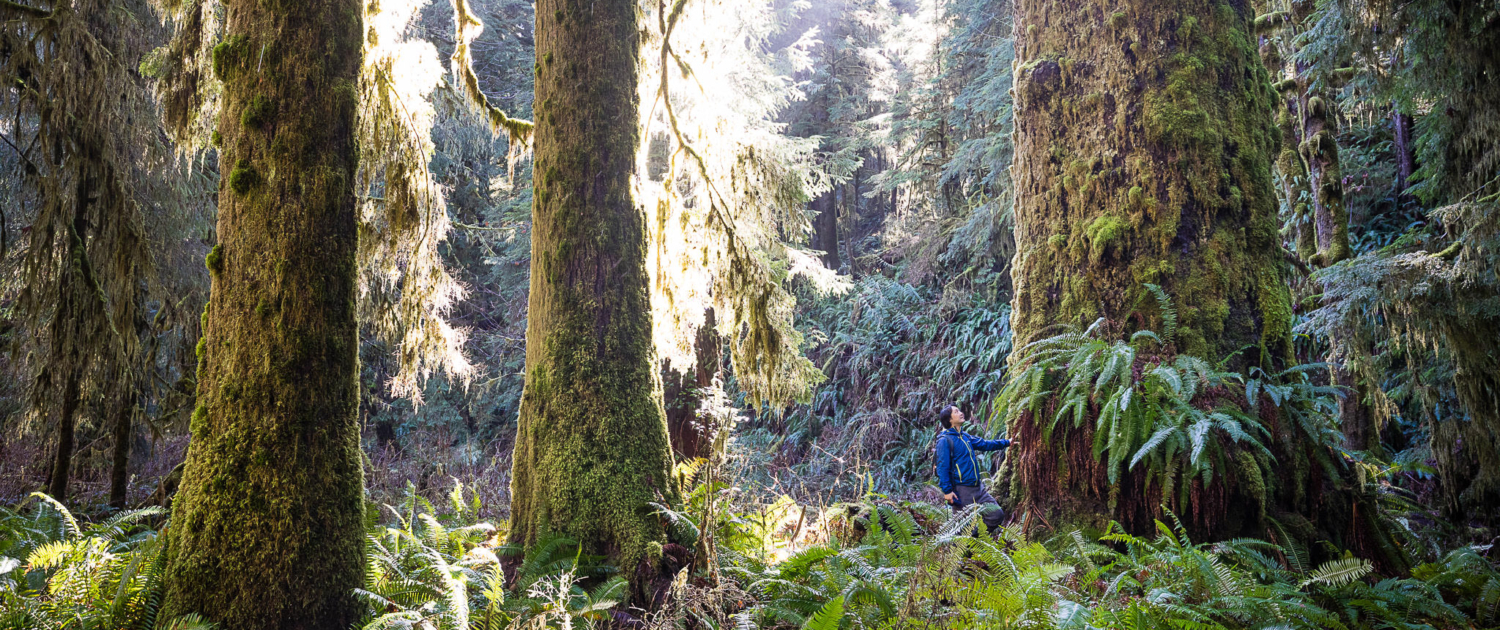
[[1271, 22], [463, 18], [6, 6]]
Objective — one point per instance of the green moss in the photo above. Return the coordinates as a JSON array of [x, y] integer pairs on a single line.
[[199, 422], [1117, 20], [214, 261], [229, 57], [1270, 22], [1104, 232], [243, 177], [263, 308], [1057, 241], [202, 349], [257, 112], [215, 139]]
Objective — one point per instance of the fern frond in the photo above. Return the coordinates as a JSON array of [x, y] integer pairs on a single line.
[[828, 617], [1336, 573]]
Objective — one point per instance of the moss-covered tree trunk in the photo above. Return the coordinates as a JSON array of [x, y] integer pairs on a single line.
[[62, 458], [1144, 146], [591, 448], [1291, 172], [266, 531], [1144, 149]]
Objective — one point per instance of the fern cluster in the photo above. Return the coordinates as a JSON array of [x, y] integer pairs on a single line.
[[1177, 415], [904, 565], [900, 574], [442, 571], [58, 573]]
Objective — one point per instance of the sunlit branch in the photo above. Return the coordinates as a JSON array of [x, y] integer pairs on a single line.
[[463, 18]]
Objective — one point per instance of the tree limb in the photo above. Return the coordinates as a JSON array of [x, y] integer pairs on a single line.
[[6, 6]]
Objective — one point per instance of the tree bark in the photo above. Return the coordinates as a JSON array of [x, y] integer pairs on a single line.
[[119, 474], [62, 461], [267, 528], [1144, 148], [591, 447], [1406, 160], [826, 230]]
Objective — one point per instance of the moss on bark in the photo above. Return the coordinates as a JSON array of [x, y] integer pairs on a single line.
[[1144, 148], [1144, 153], [591, 449], [266, 531]]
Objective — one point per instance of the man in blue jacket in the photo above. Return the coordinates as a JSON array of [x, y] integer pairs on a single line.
[[958, 469]]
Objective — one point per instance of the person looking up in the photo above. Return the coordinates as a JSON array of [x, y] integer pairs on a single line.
[[958, 468]]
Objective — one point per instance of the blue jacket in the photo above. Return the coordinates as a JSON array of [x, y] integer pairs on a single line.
[[956, 465]]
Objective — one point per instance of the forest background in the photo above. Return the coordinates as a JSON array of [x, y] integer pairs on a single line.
[[896, 120]]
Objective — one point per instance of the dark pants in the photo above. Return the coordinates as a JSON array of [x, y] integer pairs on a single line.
[[992, 514]]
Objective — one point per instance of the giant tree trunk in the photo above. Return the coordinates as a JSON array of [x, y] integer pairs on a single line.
[[267, 530], [591, 447], [1144, 146]]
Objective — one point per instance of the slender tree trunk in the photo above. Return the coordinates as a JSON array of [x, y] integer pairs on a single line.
[[62, 461], [1320, 150], [591, 447], [690, 430], [1291, 171], [119, 474], [1406, 160], [267, 528], [826, 230]]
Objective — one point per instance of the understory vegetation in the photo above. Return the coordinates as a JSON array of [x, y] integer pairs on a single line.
[[873, 563]]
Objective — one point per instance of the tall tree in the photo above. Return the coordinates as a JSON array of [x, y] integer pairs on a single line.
[[1144, 145], [1311, 177], [591, 448], [266, 531], [1433, 297], [82, 131]]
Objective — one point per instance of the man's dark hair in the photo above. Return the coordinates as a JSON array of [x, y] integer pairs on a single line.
[[945, 417]]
